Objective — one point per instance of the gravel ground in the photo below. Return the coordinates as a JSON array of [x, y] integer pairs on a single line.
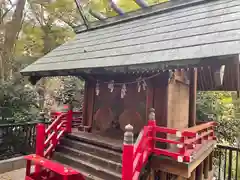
[[13, 175]]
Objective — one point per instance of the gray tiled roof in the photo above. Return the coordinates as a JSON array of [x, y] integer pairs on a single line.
[[205, 30]]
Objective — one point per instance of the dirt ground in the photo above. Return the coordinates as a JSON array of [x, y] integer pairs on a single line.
[[13, 175]]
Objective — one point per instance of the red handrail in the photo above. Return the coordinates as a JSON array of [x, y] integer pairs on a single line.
[[51, 170], [202, 127], [77, 117], [58, 119], [187, 141], [141, 153], [46, 142], [47, 139]]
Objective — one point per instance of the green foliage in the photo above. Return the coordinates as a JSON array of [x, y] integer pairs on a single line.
[[17, 101], [64, 10], [35, 41], [69, 91], [214, 103], [31, 42], [216, 106]]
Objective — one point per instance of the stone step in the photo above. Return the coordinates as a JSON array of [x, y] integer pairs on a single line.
[[85, 174], [84, 166], [106, 143], [93, 149], [96, 160], [89, 176]]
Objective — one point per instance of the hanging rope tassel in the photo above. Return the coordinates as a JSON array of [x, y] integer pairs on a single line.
[[144, 85], [111, 85], [97, 89], [123, 91]]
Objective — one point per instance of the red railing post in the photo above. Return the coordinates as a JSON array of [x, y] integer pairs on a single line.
[[152, 125], [182, 149], [40, 138], [69, 119], [128, 151]]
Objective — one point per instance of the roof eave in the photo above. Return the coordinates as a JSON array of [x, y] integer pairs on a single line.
[[166, 65]]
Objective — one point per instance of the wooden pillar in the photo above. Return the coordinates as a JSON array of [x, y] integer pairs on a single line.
[[163, 175], [211, 161], [192, 97], [69, 118], [85, 103], [199, 172], [151, 175], [206, 168], [193, 175], [88, 106], [179, 178]]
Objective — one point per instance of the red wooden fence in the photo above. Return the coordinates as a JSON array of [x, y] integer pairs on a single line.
[[48, 138], [46, 141], [188, 141]]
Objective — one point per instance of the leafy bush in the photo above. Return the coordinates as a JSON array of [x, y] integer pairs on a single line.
[[18, 102], [70, 91], [218, 106]]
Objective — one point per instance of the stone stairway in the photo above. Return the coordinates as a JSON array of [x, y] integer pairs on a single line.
[[95, 161]]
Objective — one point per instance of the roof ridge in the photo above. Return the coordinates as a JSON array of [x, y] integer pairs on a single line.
[[141, 13]]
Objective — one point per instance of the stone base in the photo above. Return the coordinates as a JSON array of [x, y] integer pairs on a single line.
[[12, 164]]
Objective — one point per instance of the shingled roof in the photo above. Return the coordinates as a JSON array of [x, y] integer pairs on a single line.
[[205, 29]]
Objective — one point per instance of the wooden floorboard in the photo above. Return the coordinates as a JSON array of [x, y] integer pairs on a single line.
[[169, 165]]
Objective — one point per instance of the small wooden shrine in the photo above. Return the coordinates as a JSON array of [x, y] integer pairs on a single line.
[[117, 99], [154, 58]]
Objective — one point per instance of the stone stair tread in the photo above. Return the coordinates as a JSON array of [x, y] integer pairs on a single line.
[[88, 176], [93, 166], [95, 141], [109, 151], [90, 155], [85, 174]]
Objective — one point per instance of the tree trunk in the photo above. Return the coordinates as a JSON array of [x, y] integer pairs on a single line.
[[12, 29], [1, 41]]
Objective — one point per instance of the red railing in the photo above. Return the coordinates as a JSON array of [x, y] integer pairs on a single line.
[[77, 120], [188, 142], [185, 143], [46, 142], [77, 117], [48, 138], [49, 170]]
